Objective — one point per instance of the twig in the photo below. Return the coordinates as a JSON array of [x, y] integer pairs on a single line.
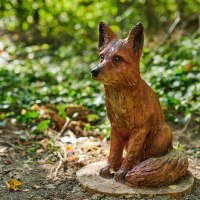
[[171, 30], [28, 134], [12, 145], [180, 131], [63, 151], [186, 125], [59, 165], [65, 126], [62, 159]]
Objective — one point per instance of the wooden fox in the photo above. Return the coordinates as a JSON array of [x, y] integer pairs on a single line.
[[135, 114]]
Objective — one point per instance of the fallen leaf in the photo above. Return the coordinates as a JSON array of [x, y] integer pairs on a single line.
[[188, 66], [7, 162], [76, 127], [59, 121], [13, 183], [40, 151], [36, 186], [48, 162], [24, 142], [77, 112], [101, 137], [68, 147], [82, 160], [81, 139], [45, 142], [73, 158], [67, 139], [197, 145], [34, 107], [3, 150], [89, 145]]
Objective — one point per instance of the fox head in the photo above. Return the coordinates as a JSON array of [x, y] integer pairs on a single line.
[[119, 59]]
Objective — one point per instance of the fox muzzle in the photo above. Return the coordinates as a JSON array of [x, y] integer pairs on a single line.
[[95, 71]]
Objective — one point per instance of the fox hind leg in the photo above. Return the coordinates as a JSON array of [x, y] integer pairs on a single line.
[[159, 142]]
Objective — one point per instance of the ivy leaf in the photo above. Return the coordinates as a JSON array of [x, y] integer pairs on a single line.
[[31, 115], [92, 118], [43, 125]]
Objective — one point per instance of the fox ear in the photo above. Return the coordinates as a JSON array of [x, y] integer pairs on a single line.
[[136, 38], [105, 34]]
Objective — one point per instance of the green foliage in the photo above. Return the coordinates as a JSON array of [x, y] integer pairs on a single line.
[[33, 149], [72, 21], [56, 46], [178, 146], [27, 117], [61, 110], [43, 125], [174, 74], [37, 75], [92, 118]]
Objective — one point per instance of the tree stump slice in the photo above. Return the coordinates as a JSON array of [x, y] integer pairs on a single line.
[[89, 178]]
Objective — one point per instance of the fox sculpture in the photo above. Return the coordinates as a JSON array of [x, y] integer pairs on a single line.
[[137, 122]]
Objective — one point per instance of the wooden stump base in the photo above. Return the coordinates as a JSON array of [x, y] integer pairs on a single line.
[[89, 178]]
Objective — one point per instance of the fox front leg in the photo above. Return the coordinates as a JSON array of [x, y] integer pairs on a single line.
[[134, 153], [117, 144]]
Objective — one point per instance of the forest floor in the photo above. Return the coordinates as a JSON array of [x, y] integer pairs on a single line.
[[43, 177]]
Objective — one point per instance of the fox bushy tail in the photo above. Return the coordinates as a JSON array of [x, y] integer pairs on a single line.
[[159, 171]]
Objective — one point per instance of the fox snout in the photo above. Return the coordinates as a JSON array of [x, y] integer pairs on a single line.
[[95, 71]]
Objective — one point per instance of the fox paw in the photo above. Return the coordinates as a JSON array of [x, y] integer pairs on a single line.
[[105, 172], [120, 176]]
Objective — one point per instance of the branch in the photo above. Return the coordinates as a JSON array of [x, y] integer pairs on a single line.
[[171, 30]]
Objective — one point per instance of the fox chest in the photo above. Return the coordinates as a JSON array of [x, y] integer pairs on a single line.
[[121, 111]]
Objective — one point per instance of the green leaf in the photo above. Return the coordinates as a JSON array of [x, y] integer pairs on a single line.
[[31, 115], [43, 125], [33, 149], [92, 118], [61, 110]]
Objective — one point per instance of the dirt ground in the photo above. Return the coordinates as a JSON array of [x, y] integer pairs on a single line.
[[38, 175]]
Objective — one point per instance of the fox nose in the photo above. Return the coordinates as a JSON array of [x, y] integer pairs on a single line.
[[95, 72]]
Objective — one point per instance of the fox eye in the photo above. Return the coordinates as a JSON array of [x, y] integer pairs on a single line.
[[101, 57], [117, 59]]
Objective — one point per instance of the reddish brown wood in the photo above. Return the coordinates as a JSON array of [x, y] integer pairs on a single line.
[[135, 114], [89, 178]]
